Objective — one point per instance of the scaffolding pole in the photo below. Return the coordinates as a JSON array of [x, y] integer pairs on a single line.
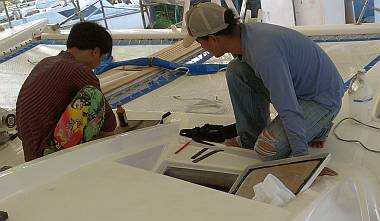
[[7, 14]]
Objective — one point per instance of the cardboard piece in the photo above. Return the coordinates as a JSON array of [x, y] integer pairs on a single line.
[[297, 174]]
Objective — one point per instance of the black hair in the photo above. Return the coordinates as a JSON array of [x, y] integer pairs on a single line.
[[89, 35], [231, 20]]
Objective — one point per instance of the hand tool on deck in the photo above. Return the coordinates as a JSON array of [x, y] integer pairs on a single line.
[[199, 153], [206, 155]]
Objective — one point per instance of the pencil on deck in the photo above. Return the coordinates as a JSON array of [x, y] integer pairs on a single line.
[[183, 147]]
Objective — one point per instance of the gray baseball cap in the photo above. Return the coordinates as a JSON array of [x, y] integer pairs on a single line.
[[202, 20]]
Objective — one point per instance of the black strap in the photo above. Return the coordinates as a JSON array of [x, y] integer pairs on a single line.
[[210, 132]]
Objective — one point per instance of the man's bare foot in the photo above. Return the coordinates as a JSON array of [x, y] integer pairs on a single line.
[[231, 142], [317, 144], [327, 172]]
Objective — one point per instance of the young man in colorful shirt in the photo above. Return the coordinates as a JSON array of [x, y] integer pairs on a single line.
[[60, 103]]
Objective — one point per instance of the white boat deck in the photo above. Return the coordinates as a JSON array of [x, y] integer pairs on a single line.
[[114, 179], [348, 57], [104, 180], [13, 37]]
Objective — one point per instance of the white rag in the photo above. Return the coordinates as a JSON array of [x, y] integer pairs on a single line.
[[272, 191]]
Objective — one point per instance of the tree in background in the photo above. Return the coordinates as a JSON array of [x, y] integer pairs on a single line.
[[167, 15]]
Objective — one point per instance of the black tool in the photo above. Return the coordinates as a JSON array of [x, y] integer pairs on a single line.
[[206, 155], [210, 132], [203, 142], [3, 216], [199, 153], [167, 114], [13, 136], [207, 132]]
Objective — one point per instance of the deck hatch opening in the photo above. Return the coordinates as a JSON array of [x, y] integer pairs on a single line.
[[297, 174], [216, 180]]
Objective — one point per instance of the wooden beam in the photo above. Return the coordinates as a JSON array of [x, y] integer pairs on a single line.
[[171, 53]]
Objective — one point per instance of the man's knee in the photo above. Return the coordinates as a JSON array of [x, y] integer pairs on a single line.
[[265, 145]]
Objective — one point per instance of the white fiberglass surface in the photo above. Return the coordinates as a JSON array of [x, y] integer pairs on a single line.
[[11, 32], [11, 153], [338, 205], [353, 153], [351, 56], [352, 195], [14, 71], [347, 56], [189, 94], [189, 90], [55, 165], [95, 182]]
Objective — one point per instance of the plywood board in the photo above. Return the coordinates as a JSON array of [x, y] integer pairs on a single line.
[[293, 176], [296, 173]]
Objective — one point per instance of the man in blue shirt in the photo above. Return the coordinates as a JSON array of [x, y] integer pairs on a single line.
[[274, 65]]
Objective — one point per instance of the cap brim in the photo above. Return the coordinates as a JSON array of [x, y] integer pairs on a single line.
[[188, 40]]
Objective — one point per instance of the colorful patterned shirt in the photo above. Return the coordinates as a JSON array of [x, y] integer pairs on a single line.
[[44, 96]]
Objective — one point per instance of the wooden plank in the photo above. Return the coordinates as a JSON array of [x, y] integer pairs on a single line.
[[114, 84], [171, 53], [165, 53], [117, 70]]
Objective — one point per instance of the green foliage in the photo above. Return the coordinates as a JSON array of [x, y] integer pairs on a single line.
[[167, 15]]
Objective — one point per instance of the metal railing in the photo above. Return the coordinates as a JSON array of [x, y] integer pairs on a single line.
[[102, 9], [79, 13], [359, 21], [7, 13]]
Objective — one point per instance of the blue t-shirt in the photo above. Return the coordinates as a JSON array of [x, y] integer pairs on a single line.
[[291, 67]]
